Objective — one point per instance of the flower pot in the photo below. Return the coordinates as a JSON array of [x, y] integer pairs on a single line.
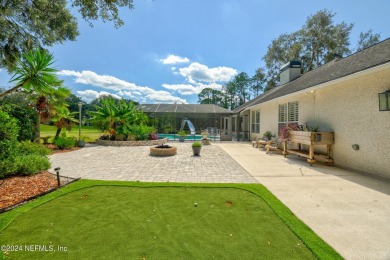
[[182, 138], [196, 151], [80, 143]]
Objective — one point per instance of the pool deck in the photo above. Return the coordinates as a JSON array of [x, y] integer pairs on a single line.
[[349, 210], [135, 164]]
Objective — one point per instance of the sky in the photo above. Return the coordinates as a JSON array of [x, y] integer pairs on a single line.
[[169, 50]]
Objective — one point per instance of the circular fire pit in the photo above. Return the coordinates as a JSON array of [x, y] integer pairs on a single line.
[[163, 150]]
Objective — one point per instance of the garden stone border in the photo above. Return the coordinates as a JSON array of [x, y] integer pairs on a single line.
[[132, 143]]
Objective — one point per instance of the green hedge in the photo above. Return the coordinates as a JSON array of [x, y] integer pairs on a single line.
[[24, 158]]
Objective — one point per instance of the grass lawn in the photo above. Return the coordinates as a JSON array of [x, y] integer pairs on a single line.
[[130, 220], [89, 133]]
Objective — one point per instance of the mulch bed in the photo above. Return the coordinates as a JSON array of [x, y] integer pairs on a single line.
[[17, 189], [54, 149]]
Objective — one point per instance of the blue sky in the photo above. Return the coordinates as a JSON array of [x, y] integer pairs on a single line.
[[169, 50]]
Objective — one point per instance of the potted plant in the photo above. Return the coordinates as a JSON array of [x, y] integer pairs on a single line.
[[268, 135], [196, 147], [81, 142], [182, 135]]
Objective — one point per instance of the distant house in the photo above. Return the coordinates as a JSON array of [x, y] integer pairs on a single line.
[[349, 96]]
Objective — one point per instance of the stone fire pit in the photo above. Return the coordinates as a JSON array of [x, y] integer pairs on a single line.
[[163, 150]]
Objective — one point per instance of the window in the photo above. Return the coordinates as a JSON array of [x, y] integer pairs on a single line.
[[288, 114], [256, 121], [384, 101], [293, 112]]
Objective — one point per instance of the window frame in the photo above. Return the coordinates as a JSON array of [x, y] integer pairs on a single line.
[[255, 121], [288, 114]]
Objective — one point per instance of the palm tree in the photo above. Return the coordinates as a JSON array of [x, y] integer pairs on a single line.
[[116, 114], [35, 75], [63, 119]]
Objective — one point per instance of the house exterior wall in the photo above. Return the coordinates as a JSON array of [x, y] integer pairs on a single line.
[[350, 109]]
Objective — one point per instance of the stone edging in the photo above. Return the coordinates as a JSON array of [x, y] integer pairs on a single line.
[[131, 143]]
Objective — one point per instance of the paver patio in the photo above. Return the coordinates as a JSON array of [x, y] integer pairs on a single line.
[[135, 164], [349, 210]]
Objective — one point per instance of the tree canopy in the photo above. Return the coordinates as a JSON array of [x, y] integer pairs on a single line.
[[367, 39], [25, 24], [319, 41]]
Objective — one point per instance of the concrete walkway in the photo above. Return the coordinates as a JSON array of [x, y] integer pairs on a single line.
[[348, 210]]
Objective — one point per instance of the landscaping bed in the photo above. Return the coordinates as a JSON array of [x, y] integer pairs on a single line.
[[17, 189], [55, 150], [131, 143]]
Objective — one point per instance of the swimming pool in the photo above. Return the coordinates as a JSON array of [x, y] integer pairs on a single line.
[[188, 137]]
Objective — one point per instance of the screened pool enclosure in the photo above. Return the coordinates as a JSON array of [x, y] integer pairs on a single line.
[[168, 119]]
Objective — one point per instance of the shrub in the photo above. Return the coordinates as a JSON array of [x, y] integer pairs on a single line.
[[7, 167], [105, 137], [65, 142], [120, 137], [153, 136], [26, 116], [9, 130], [27, 147], [141, 131], [131, 137], [31, 164]]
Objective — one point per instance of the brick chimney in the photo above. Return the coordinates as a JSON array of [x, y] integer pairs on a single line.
[[290, 71]]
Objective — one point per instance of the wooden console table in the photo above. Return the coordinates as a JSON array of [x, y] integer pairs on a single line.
[[311, 139]]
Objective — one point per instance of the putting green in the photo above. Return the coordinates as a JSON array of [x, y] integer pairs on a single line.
[[116, 222]]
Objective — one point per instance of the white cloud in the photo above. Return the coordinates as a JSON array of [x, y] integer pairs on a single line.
[[173, 59], [89, 94], [184, 89], [188, 89], [122, 87], [199, 72]]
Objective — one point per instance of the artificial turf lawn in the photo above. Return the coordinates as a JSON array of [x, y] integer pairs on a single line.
[[117, 222]]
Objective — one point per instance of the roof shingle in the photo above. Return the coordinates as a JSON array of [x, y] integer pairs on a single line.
[[370, 57]]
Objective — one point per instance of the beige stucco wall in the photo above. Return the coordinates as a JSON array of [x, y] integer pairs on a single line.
[[350, 109]]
